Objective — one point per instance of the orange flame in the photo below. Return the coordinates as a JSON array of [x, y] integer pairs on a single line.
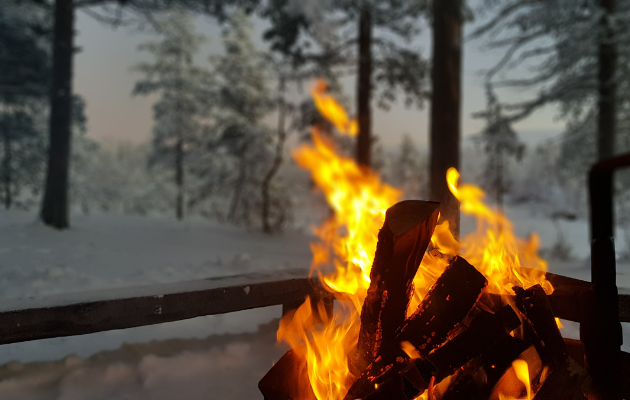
[[344, 254], [330, 109], [348, 242], [559, 323], [493, 248], [521, 369]]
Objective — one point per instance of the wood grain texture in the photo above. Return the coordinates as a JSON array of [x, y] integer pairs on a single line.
[[402, 242], [82, 313], [88, 312]]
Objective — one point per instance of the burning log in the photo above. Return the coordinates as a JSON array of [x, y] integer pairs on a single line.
[[391, 390], [522, 379], [568, 381], [287, 379], [535, 308], [402, 242], [486, 331], [458, 336], [476, 380], [448, 302]]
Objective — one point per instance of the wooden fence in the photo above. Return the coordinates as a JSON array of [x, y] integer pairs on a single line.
[[103, 310]]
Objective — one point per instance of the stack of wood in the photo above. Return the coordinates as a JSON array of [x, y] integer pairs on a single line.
[[460, 343]]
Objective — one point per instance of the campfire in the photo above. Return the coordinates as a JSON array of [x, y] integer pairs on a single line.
[[417, 313]]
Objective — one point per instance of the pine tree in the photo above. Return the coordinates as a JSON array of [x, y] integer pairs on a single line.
[[183, 100], [243, 99], [23, 91], [365, 37], [408, 169], [499, 142], [569, 50], [122, 12]]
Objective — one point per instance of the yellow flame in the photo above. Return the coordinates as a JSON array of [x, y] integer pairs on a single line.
[[493, 248], [410, 350], [344, 254], [559, 323], [334, 112], [521, 369], [348, 242]]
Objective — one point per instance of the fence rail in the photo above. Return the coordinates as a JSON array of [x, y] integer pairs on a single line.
[[103, 310]]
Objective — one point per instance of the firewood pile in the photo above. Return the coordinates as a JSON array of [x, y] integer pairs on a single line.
[[460, 343]]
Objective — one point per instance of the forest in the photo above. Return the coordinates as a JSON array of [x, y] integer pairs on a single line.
[[224, 125], [272, 130]]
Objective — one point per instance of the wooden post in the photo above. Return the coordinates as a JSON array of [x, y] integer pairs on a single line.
[[600, 330], [446, 105]]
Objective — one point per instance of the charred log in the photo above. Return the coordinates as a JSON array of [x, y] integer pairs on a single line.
[[402, 242], [287, 379], [568, 381], [478, 378], [485, 331], [446, 304], [536, 310]]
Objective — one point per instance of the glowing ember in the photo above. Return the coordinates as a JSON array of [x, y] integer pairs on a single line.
[[348, 242]]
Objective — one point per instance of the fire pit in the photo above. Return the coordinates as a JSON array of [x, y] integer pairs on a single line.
[[420, 315], [461, 341]]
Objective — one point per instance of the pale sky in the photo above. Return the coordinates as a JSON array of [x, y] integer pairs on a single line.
[[103, 77]]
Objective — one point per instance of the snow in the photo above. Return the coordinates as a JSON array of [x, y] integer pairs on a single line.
[[104, 251], [183, 369], [220, 356]]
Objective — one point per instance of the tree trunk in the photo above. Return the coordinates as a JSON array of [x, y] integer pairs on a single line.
[[6, 168], [55, 203], [266, 201], [364, 88], [607, 93], [446, 105], [179, 177]]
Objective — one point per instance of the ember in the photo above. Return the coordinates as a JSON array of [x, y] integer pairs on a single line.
[[441, 324]]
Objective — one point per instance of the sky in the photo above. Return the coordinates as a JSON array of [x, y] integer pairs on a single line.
[[103, 76]]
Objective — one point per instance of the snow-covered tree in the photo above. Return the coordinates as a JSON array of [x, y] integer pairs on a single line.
[[24, 101], [243, 98], [371, 39], [117, 179], [183, 96], [408, 168], [556, 50], [500, 142], [23, 153]]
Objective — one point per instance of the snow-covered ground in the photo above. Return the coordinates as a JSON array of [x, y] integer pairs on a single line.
[[217, 367], [208, 357]]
